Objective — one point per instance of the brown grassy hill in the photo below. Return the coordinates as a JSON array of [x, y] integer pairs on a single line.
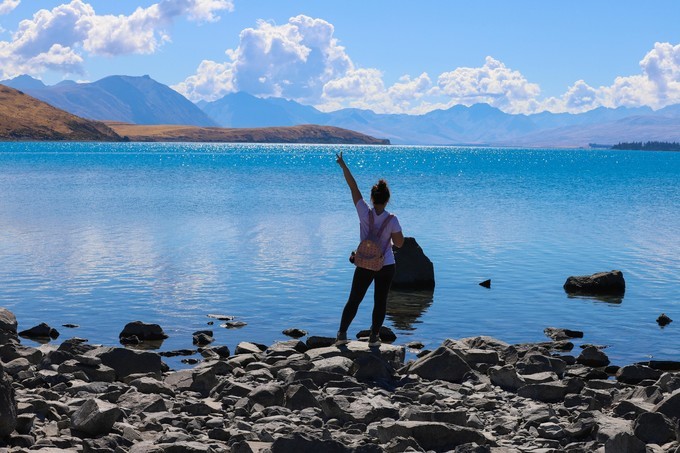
[[23, 117], [292, 134]]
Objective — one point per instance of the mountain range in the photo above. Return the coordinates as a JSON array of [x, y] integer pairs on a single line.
[[141, 100], [25, 118], [138, 100]]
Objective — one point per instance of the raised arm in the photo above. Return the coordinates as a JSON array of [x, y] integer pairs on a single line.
[[356, 194]]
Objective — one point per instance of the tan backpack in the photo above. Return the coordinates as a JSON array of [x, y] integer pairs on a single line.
[[369, 255]]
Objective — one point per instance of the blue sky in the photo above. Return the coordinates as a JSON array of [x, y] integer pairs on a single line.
[[397, 56]]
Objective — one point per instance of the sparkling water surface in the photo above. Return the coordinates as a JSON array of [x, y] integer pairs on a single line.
[[102, 234]]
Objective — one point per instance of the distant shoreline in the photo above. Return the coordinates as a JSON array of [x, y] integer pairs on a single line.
[[647, 146], [303, 134]]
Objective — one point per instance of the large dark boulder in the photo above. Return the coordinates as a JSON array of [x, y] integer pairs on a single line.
[[592, 356], [8, 327], [670, 406], [95, 417], [634, 374], [415, 271], [602, 283], [653, 428], [8, 405], [126, 361]]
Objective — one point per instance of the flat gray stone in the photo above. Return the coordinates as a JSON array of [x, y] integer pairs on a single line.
[[150, 385], [301, 443], [354, 349], [546, 392], [430, 435], [442, 363], [337, 364]]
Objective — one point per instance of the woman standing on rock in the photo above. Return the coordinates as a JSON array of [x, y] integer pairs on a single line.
[[383, 228]]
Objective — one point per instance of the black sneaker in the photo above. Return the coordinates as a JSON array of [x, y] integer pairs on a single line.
[[341, 339], [374, 339]]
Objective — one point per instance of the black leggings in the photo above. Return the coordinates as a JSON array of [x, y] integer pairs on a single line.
[[360, 283]]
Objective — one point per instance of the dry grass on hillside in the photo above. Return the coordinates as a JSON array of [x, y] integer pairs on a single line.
[[292, 134], [23, 117]]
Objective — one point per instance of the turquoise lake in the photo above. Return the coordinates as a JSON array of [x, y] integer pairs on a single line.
[[102, 234]]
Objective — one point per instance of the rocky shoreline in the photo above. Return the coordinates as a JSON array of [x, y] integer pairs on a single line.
[[469, 395]]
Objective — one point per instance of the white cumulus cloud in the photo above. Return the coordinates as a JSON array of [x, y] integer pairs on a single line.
[[7, 6], [493, 84], [293, 60], [657, 86], [75, 28], [301, 60], [211, 82]]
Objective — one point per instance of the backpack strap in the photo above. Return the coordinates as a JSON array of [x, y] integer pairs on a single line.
[[384, 224], [382, 228]]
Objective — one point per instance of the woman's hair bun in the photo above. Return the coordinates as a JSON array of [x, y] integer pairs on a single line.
[[380, 193]]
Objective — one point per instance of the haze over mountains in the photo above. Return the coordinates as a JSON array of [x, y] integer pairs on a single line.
[[141, 100]]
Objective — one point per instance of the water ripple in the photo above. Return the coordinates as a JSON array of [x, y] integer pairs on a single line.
[[102, 234]]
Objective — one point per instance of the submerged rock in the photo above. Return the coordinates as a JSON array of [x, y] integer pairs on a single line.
[[663, 320], [233, 324], [203, 337], [41, 331], [558, 334], [602, 283], [295, 333], [143, 331]]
